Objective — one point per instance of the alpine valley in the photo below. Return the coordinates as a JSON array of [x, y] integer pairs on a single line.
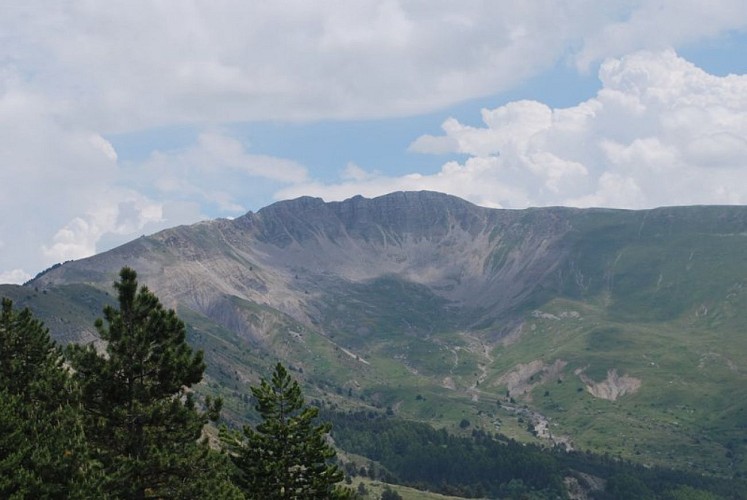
[[616, 331]]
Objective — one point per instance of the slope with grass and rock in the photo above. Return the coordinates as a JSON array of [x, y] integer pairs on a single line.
[[623, 330]]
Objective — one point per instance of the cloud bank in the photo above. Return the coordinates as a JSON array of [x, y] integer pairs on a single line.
[[660, 132], [126, 65]]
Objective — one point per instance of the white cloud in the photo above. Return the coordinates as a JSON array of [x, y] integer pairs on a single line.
[[49, 170], [660, 24], [434, 144], [67, 195], [216, 171], [137, 64], [60, 184], [720, 149], [121, 213], [14, 276], [77, 239], [104, 146], [353, 172], [660, 132]]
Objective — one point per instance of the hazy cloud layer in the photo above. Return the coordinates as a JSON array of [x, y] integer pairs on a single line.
[[660, 132], [131, 64], [72, 73]]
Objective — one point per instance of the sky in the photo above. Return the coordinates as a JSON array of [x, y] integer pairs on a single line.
[[122, 118]]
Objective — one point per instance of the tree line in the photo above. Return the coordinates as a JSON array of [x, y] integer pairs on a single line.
[[121, 420], [484, 465]]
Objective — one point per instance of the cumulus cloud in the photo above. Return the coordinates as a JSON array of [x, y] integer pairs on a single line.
[[659, 132], [122, 213], [51, 171], [353, 172], [73, 197], [16, 276], [217, 171]]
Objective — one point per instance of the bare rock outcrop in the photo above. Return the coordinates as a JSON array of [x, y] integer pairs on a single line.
[[611, 388], [524, 377]]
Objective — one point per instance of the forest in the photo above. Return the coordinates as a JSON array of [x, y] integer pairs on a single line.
[[121, 419], [493, 466]]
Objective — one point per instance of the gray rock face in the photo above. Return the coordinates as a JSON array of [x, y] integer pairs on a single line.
[[284, 255], [469, 255]]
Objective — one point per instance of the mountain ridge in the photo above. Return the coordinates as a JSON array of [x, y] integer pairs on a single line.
[[418, 236], [471, 256], [469, 307]]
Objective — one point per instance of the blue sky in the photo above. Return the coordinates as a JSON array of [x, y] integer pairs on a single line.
[[124, 118], [326, 147]]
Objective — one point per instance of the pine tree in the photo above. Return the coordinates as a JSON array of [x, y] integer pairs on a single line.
[[141, 419], [42, 451], [286, 456]]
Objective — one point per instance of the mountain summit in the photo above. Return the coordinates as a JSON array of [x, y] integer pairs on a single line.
[[483, 264], [479, 261]]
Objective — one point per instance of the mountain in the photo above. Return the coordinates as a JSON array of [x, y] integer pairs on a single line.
[[484, 261], [618, 331]]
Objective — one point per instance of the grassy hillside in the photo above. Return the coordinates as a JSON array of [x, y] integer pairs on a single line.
[[621, 332], [69, 311], [688, 409]]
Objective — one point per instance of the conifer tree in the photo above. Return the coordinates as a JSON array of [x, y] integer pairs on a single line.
[[140, 417], [287, 456], [42, 451]]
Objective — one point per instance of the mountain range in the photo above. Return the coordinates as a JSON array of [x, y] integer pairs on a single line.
[[617, 331]]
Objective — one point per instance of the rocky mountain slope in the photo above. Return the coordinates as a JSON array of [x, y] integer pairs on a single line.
[[574, 326], [288, 255]]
